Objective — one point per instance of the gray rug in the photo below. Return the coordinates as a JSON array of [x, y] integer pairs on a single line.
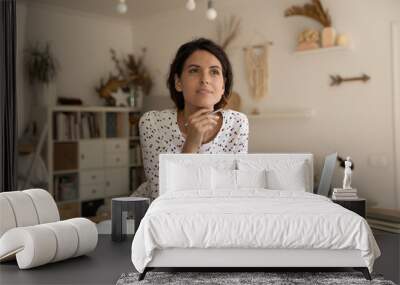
[[229, 278]]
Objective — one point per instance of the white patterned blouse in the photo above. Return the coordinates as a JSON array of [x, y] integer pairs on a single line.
[[159, 133]]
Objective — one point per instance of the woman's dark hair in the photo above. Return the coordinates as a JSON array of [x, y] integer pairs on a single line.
[[182, 55]]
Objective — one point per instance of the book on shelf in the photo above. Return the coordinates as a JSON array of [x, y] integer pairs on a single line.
[[90, 125], [111, 123], [65, 126], [341, 190]]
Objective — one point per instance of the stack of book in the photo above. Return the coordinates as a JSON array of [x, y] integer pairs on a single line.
[[344, 194], [384, 219]]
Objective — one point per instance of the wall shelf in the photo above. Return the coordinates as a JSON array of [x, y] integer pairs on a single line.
[[324, 50], [284, 114]]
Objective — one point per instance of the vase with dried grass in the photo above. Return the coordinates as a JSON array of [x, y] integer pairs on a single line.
[[315, 11]]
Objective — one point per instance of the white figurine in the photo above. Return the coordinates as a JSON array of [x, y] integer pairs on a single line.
[[347, 174]]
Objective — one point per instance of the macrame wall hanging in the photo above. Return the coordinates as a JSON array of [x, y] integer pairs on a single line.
[[256, 61]]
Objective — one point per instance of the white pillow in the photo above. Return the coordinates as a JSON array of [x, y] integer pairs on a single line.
[[251, 178], [181, 177], [294, 178], [224, 179]]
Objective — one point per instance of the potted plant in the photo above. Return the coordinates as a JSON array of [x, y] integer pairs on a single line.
[[315, 11], [42, 69]]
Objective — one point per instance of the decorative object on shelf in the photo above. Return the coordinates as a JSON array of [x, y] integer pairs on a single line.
[[42, 68], [308, 39], [347, 173], [69, 101], [120, 98], [132, 78], [337, 79], [342, 40], [315, 11], [256, 60], [121, 7]]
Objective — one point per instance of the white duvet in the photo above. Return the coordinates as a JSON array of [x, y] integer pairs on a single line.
[[252, 218]]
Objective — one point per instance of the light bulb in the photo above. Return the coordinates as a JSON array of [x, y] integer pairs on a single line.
[[211, 12], [122, 8], [190, 5]]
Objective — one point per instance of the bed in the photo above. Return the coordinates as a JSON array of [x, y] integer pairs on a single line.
[[245, 211]]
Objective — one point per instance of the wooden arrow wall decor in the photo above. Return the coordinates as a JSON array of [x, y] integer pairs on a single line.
[[337, 79]]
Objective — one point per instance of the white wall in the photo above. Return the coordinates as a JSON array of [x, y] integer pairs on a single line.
[[354, 119], [81, 42]]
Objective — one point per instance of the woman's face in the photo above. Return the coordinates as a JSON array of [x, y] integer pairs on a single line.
[[201, 81]]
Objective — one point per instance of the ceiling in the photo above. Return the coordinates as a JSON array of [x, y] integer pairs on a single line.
[[136, 8]]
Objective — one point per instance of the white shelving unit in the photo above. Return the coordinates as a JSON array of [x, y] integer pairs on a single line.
[[90, 157]]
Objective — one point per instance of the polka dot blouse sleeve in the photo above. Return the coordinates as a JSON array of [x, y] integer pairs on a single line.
[[148, 131], [242, 142]]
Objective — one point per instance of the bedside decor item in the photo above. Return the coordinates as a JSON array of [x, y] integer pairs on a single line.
[[337, 79], [315, 11], [42, 68], [121, 208], [347, 174], [308, 39]]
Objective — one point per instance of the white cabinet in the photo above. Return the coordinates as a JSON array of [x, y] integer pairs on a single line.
[[91, 154], [117, 181]]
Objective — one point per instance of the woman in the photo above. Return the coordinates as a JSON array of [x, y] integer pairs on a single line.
[[199, 81]]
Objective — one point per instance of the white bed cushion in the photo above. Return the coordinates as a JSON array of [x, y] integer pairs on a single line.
[[182, 177], [293, 178], [251, 178], [282, 174], [224, 179]]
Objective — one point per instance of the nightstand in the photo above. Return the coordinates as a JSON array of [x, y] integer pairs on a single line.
[[357, 205]]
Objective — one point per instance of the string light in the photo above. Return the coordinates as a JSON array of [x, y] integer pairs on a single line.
[[190, 5], [122, 8], [211, 12]]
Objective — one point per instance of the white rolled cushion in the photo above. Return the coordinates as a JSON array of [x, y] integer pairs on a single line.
[[23, 208], [223, 179], [7, 218], [67, 239], [45, 205], [181, 177], [87, 235], [251, 178], [293, 179], [34, 245]]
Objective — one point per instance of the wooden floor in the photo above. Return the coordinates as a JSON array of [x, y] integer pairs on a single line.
[[110, 259]]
